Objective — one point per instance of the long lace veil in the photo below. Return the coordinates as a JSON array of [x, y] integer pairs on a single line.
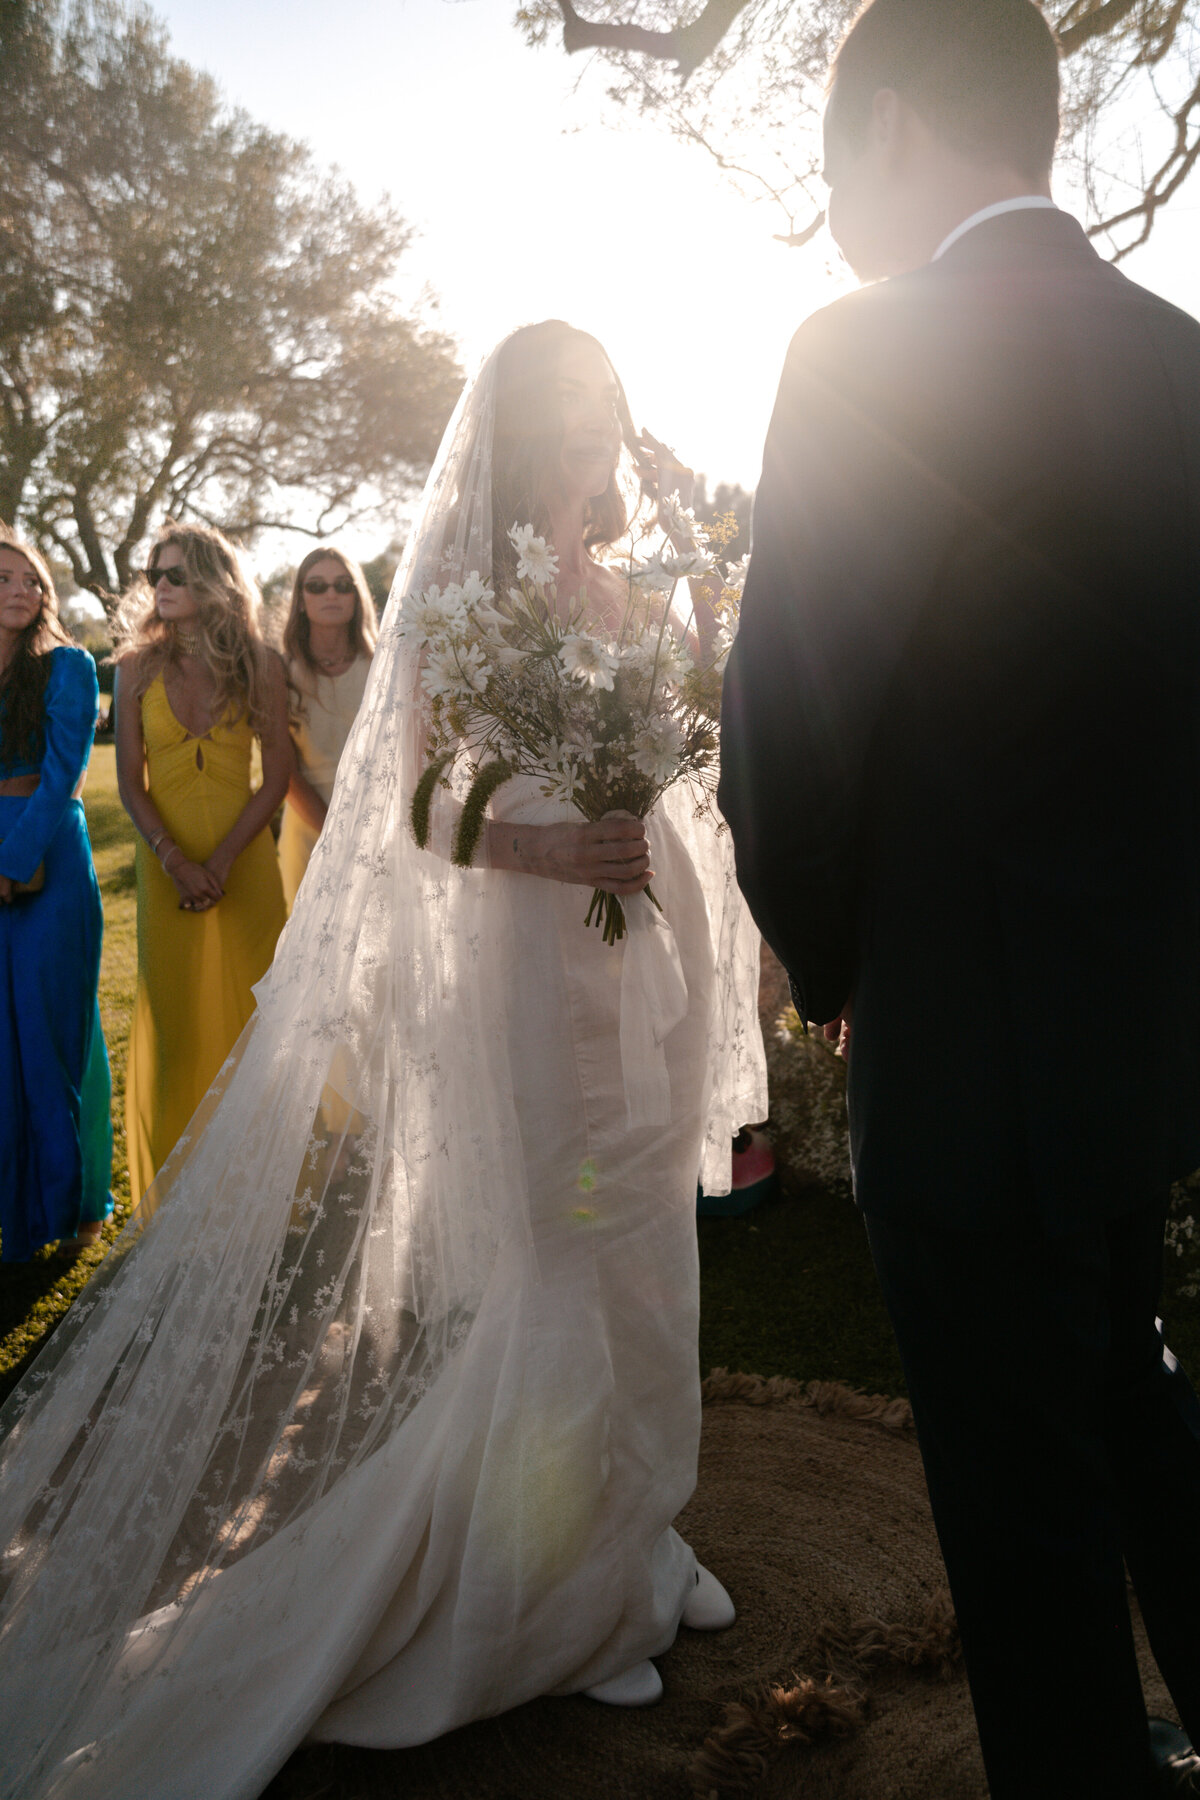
[[305, 1270]]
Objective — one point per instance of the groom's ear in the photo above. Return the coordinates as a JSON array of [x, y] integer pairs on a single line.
[[885, 136], [889, 126], [902, 138]]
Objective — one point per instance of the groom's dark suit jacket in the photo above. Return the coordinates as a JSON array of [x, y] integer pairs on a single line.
[[961, 733]]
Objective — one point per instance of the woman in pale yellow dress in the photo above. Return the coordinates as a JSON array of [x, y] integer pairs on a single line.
[[328, 643], [196, 685]]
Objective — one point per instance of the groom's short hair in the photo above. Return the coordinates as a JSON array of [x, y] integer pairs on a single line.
[[982, 74]]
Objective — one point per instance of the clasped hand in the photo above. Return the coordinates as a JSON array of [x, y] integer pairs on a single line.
[[198, 885]]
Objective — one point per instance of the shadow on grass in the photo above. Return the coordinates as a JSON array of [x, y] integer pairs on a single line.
[[108, 825], [34, 1296], [121, 880], [790, 1289]]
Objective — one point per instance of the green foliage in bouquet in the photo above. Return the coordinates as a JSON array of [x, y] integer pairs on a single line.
[[422, 800], [470, 823]]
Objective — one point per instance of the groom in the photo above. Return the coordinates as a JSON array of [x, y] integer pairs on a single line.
[[961, 752]]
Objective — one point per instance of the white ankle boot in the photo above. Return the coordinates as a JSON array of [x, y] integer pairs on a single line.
[[639, 1686], [709, 1607]]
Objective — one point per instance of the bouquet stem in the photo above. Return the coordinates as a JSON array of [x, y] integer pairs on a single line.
[[606, 910]]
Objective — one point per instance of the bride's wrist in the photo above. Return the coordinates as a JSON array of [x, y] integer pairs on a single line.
[[501, 845]]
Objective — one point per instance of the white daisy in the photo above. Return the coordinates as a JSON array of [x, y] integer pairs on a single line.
[[583, 747], [656, 750], [475, 591], [734, 578], [473, 667], [722, 645], [688, 564], [651, 577], [563, 784], [679, 520], [674, 662], [536, 562], [440, 677], [638, 655], [451, 672], [435, 615], [588, 660]]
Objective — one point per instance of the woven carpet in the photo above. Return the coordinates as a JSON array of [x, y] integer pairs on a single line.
[[841, 1679]]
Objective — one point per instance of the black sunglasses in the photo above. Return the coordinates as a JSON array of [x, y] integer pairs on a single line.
[[343, 585], [175, 575]]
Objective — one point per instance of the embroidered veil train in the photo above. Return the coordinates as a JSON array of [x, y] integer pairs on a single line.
[[375, 1419]]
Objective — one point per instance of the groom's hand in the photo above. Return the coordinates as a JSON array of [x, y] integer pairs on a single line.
[[837, 1031]]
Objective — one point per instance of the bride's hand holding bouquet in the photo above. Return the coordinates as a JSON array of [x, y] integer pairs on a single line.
[[606, 719]]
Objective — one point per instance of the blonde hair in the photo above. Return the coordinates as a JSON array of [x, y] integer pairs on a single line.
[[226, 625], [363, 628]]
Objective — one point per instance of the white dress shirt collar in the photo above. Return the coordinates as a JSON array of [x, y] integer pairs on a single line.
[[990, 212]]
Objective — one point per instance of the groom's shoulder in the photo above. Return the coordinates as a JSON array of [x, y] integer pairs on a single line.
[[866, 337], [853, 318], [1160, 311]]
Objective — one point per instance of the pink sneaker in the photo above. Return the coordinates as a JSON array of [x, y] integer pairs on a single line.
[[753, 1178]]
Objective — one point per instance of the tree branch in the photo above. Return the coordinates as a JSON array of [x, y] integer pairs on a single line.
[[148, 499], [85, 524], [796, 240], [1165, 182], [1097, 23], [687, 46]]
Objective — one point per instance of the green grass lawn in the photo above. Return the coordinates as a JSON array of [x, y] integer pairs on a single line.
[[786, 1290]]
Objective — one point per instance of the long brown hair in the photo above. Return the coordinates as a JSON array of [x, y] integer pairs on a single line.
[[226, 625], [23, 683], [527, 443], [363, 629]]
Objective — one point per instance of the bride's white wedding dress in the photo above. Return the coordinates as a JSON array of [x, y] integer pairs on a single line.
[[376, 1419]]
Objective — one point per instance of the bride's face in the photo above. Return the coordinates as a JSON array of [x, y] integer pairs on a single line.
[[587, 394]]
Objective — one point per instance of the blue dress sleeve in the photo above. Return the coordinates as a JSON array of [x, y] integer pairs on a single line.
[[72, 694]]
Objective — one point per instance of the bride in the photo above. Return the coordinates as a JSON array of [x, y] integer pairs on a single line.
[[377, 1416]]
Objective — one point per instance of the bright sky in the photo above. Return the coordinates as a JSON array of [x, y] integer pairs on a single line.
[[529, 203]]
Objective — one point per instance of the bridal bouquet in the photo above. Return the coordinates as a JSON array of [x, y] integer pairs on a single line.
[[605, 721]]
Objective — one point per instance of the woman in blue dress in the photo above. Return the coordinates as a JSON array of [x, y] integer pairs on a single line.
[[55, 1119]]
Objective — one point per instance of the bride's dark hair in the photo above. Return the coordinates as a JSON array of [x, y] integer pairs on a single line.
[[23, 684], [527, 442]]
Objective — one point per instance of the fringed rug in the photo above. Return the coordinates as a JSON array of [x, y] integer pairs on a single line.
[[841, 1680]]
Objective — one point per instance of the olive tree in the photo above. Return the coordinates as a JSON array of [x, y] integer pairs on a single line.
[[194, 320]]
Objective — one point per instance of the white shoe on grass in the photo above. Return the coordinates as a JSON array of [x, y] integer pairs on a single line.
[[639, 1686], [708, 1607]]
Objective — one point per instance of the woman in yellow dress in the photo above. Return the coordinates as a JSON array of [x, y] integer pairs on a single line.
[[196, 685], [328, 643]]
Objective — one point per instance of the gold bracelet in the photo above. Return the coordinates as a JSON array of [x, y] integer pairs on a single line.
[[166, 860]]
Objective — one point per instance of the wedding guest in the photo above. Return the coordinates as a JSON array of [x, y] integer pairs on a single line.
[[962, 770], [196, 685], [409, 1413], [328, 642], [55, 1126]]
